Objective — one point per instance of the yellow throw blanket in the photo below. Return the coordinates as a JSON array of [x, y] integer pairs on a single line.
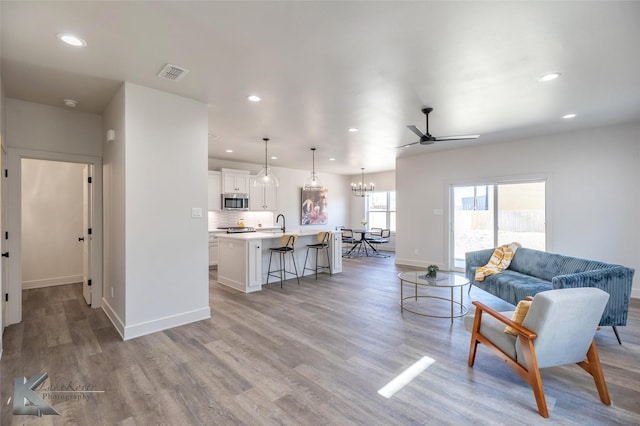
[[500, 260]]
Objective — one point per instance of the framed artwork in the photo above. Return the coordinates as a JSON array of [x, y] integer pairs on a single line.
[[314, 207]]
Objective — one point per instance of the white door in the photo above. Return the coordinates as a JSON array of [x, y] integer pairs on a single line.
[[4, 308], [86, 233]]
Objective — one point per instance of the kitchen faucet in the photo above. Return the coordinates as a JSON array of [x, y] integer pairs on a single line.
[[283, 222]]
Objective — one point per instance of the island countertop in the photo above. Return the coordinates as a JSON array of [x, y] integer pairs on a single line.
[[269, 235]]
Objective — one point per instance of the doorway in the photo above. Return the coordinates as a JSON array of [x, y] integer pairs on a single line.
[[55, 219], [91, 258], [494, 213]]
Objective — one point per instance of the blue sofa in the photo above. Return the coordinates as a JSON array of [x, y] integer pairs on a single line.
[[532, 271]]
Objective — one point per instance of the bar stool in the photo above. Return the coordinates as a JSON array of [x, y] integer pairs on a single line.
[[323, 238], [287, 241]]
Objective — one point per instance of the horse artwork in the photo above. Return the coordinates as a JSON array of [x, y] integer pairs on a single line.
[[314, 207]]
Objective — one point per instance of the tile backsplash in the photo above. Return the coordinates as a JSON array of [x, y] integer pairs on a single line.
[[224, 219]]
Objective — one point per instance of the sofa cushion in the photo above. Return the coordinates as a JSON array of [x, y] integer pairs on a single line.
[[513, 286], [546, 265]]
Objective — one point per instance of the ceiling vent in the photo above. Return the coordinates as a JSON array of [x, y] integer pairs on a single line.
[[172, 72]]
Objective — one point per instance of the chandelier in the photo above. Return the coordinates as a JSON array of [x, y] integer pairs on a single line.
[[265, 177], [313, 182], [361, 189]]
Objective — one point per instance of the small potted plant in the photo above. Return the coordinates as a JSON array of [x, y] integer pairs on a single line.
[[432, 271]]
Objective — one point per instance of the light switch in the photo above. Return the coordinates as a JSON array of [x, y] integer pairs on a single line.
[[439, 212], [196, 212]]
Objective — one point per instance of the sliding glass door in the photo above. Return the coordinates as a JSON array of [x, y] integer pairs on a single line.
[[488, 215]]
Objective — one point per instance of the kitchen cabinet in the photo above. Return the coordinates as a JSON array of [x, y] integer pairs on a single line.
[[235, 181], [213, 250], [214, 190], [262, 197]]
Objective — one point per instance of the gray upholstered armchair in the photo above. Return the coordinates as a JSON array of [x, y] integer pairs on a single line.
[[558, 329]]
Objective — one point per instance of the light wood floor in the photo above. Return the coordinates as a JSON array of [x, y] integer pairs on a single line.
[[304, 355]]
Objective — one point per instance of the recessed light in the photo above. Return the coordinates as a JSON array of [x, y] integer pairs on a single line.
[[71, 103], [254, 98], [229, 151], [568, 116], [353, 129], [332, 159], [274, 158], [72, 40], [550, 76]]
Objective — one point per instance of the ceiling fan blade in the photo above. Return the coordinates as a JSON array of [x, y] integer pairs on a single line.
[[457, 138], [415, 130], [407, 145]]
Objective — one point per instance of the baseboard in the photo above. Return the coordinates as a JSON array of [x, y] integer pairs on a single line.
[[419, 264], [635, 293], [148, 327], [113, 317], [50, 282]]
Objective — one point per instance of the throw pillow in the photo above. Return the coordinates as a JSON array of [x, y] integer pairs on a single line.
[[518, 316]]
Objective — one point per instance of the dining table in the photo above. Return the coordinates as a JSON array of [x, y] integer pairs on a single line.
[[362, 243]]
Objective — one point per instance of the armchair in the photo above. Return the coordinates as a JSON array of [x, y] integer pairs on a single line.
[[558, 329]]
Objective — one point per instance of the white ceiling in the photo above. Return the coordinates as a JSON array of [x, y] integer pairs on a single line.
[[323, 67]]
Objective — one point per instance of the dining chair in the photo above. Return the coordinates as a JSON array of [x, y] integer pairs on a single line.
[[558, 329]]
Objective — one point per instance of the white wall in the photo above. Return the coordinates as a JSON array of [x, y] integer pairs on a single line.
[[165, 168], [289, 195], [55, 129], [594, 196], [51, 223], [114, 211]]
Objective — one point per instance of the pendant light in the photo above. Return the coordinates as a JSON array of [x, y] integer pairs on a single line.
[[361, 189], [265, 177], [313, 182]]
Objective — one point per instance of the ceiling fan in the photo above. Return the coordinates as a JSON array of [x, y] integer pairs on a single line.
[[427, 139]]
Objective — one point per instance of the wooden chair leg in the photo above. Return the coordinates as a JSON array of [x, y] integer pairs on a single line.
[[593, 366], [473, 348], [533, 377]]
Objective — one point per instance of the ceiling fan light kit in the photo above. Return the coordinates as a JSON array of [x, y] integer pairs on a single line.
[[264, 176], [427, 138]]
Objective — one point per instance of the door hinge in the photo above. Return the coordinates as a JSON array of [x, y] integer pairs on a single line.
[[5, 254], [89, 179], [89, 283], [6, 297], [6, 235], [89, 231], [6, 173]]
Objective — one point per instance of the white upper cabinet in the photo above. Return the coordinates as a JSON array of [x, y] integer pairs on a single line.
[[215, 201], [235, 181], [262, 198]]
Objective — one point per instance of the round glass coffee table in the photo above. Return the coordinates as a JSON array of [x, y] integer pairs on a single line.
[[418, 279]]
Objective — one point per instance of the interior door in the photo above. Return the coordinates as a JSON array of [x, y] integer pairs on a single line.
[[4, 308], [86, 233]]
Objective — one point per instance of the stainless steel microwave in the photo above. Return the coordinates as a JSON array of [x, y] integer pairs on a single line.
[[235, 201]]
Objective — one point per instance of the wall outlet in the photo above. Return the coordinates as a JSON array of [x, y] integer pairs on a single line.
[[196, 212], [438, 212], [416, 252]]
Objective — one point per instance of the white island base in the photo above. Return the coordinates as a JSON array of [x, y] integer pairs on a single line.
[[243, 259]]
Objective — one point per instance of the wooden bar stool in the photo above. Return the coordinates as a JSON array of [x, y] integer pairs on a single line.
[[323, 243], [288, 241]]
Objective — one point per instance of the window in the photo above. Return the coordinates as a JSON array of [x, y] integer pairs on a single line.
[[489, 215], [381, 210]]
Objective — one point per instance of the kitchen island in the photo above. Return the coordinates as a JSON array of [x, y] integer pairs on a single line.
[[243, 258]]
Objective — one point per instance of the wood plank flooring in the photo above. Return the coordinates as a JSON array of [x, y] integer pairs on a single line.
[[313, 354]]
